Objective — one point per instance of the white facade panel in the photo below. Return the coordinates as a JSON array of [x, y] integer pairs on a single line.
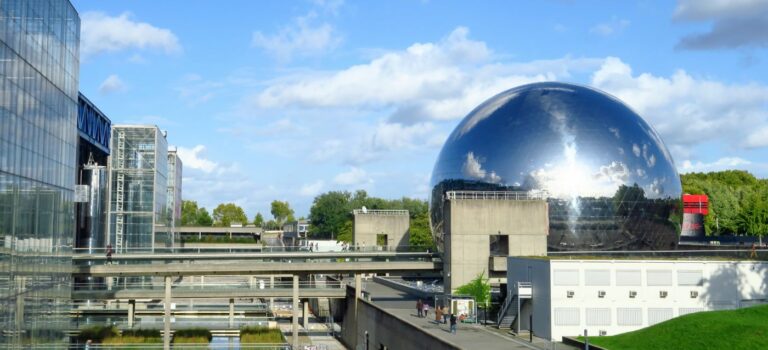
[[600, 277], [567, 316], [659, 277], [628, 277], [598, 316], [689, 310], [568, 277], [690, 277], [659, 314], [629, 316]]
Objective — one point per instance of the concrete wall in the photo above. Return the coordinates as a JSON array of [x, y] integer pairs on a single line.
[[383, 329], [394, 224], [690, 286], [471, 222]]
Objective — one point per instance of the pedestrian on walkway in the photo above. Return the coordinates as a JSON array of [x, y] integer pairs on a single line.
[[419, 308], [446, 315], [439, 314], [426, 310], [453, 324], [109, 254]]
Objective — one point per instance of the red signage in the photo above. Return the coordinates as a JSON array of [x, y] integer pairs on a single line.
[[696, 204]]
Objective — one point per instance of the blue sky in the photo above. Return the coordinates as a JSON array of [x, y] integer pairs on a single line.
[[285, 100]]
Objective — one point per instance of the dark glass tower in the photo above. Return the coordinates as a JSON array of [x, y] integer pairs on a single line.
[[39, 66]]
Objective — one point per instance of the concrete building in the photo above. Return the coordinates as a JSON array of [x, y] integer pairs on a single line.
[[295, 232], [138, 178], [608, 297], [39, 72], [174, 193], [388, 229], [482, 228]]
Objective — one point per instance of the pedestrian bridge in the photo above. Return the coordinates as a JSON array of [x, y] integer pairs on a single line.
[[201, 290]]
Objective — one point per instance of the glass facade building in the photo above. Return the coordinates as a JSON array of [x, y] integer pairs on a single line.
[[138, 178], [39, 67], [174, 191]]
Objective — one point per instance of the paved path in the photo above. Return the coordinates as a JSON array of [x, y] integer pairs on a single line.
[[468, 336]]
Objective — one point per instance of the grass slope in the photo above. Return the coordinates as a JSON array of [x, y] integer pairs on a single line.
[[731, 330]]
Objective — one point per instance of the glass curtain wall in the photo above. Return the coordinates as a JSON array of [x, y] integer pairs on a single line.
[[174, 194], [39, 63], [138, 188]]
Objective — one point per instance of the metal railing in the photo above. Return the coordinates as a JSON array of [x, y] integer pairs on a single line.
[[382, 212], [234, 248], [198, 285], [497, 195]]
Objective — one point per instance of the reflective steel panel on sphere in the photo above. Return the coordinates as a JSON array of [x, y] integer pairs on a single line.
[[608, 178]]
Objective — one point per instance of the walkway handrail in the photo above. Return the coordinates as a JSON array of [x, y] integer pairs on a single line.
[[498, 195], [504, 308]]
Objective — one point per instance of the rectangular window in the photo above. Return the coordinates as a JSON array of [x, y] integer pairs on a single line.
[[566, 277], [597, 278], [659, 277], [628, 277]]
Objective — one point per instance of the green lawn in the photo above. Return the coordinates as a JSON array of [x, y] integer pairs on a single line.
[[730, 330]]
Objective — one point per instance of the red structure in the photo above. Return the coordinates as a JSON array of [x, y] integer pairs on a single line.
[[695, 204]]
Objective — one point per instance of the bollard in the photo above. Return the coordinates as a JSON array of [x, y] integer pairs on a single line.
[[586, 340], [530, 327]]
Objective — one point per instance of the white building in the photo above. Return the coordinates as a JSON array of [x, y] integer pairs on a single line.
[[608, 297]]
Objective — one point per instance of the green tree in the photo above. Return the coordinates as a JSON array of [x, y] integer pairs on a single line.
[[328, 214], [479, 288], [203, 218], [421, 234], [281, 211], [192, 215], [227, 213], [258, 220], [188, 213], [345, 233]]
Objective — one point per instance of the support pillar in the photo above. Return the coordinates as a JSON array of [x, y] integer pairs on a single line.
[[167, 315], [271, 286], [131, 312], [21, 288], [358, 293], [231, 313], [305, 313], [295, 328]]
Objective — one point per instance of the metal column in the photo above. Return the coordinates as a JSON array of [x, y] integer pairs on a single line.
[[131, 312], [167, 315], [231, 313], [295, 328], [305, 313]]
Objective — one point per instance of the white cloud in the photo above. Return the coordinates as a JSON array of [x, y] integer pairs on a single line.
[[111, 84], [613, 27], [100, 32], [354, 177], [302, 37], [426, 81], [616, 172], [313, 189], [689, 166], [193, 158], [194, 90], [687, 110], [758, 138], [473, 168]]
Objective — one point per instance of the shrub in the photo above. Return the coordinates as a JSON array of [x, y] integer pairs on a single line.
[[146, 333], [190, 340], [251, 335], [130, 339], [97, 333], [193, 333]]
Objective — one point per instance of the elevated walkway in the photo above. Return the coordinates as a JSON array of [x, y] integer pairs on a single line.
[[261, 268]]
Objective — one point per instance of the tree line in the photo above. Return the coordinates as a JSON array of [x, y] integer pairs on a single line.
[[330, 215], [738, 201], [226, 214]]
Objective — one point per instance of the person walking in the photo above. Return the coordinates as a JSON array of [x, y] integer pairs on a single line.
[[109, 254], [426, 310], [453, 324], [439, 314], [446, 315], [419, 306]]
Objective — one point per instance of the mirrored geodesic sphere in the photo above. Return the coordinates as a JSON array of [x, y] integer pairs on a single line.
[[608, 178]]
